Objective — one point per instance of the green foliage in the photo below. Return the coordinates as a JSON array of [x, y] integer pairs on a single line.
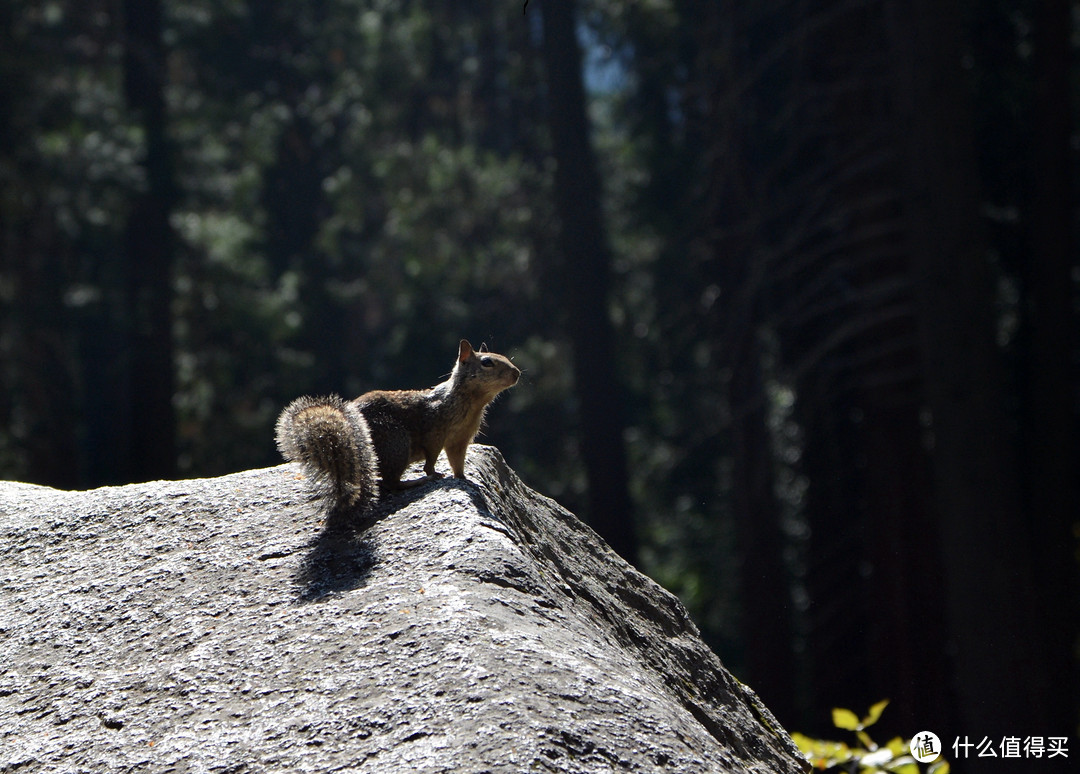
[[345, 217], [894, 756], [360, 186]]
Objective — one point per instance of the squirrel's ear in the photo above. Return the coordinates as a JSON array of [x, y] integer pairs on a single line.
[[483, 346], [464, 350]]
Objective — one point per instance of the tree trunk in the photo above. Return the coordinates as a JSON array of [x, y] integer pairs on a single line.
[[38, 415], [149, 244], [1051, 447], [43, 366], [768, 633], [1000, 683], [584, 281]]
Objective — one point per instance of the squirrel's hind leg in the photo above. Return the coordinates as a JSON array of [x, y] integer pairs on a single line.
[[430, 474]]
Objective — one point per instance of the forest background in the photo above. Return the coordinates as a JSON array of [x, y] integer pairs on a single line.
[[793, 284]]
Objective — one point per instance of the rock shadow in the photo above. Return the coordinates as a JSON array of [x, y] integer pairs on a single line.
[[341, 557]]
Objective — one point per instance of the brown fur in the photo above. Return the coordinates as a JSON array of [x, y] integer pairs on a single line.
[[341, 445]]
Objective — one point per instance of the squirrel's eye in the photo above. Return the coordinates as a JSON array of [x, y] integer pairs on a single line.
[[486, 362]]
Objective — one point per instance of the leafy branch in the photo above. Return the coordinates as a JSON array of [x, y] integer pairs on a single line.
[[894, 756]]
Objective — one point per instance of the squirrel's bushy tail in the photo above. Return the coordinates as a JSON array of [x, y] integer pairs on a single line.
[[329, 437]]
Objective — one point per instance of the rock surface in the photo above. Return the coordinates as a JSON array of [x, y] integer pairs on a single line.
[[218, 625]]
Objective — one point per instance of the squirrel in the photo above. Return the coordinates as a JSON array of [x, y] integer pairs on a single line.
[[352, 449]]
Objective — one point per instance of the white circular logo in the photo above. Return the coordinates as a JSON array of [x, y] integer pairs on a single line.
[[925, 747]]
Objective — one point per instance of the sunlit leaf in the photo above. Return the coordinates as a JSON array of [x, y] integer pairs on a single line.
[[823, 753], [875, 713], [845, 718], [898, 745]]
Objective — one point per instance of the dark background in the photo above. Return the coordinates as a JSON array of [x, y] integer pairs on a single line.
[[793, 284]]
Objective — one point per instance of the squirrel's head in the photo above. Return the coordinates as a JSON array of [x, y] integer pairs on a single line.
[[495, 372]]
